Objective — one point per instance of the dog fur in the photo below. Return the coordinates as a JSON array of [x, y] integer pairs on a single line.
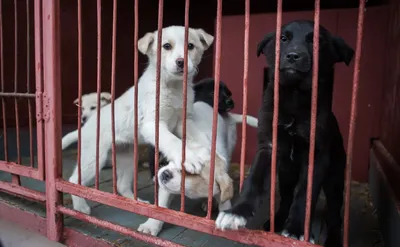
[[171, 83], [295, 72]]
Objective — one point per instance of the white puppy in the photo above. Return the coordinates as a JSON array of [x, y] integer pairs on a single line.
[[196, 186], [170, 125], [88, 108]]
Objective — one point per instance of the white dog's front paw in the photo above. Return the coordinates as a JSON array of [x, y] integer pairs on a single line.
[[228, 221], [150, 228], [193, 163]]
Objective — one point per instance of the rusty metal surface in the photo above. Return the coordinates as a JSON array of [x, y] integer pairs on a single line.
[[275, 115], [78, 158], [53, 123], [313, 121], [98, 6], [22, 191], [245, 82], [113, 58], [135, 103], [353, 115]]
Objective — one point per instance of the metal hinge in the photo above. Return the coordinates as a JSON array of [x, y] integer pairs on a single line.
[[42, 111]]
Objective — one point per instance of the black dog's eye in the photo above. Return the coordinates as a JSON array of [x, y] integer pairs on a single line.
[[167, 46], [284, 38], [190, 46], [92, 108]]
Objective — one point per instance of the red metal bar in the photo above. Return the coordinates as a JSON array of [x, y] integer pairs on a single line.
[[245, 81], [97, 180], [276, 113], [15, 178], [113, 56], [17, 95], [207, 226], [28, 82], [52, 83], [3, 102], [184, 110], [79, 91], [135, 103], [22, 191], [352, 125], [313, 121], [115, 227], [14, 168], [217, 70], [39, 88], [158, 74]]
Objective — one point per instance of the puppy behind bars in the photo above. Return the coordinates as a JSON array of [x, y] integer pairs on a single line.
[[295, 72], [171, 104]]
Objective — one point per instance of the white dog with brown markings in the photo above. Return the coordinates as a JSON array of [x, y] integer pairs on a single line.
[[171, 104]]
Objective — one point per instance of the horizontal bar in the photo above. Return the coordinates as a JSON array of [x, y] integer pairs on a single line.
[[178, 218], [115, 227], [17, 95], [22, 191], [14, 168]]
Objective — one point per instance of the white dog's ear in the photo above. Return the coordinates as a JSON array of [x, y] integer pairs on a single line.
[[105, 96], [76, 101], [205, 38], [145, 43]]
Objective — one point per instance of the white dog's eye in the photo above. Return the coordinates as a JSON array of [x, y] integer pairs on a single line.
[[190, 46], [92, 108], [167, 46]]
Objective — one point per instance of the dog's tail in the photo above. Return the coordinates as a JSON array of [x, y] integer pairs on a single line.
[[250, 120], [69, 138]]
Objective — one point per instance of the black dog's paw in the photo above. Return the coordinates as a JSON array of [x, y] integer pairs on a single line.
[[295, 229]]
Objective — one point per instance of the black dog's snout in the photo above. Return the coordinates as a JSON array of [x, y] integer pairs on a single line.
[[293, 56], [83, 119], [179, 62], [166, 176]]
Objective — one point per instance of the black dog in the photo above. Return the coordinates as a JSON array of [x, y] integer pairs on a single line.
[[295, 72], [204, 91]]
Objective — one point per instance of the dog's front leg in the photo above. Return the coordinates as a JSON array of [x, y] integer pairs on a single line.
[[153, 226], [294, 226], [171, 146], [255, 186]]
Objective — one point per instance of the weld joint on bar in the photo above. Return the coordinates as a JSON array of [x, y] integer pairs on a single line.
[[39, 111]]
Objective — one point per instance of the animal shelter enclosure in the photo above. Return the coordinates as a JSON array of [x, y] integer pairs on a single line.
[[53, 53]]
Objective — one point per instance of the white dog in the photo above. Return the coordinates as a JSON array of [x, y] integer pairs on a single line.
[[88, 108], [170, 124], [196, 186]]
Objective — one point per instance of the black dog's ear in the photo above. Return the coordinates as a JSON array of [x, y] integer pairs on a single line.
[[343, 51], [264, 42]]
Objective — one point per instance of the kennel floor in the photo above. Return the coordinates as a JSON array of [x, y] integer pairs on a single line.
[[364, 229]]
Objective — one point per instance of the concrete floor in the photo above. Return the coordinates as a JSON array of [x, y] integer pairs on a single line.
[[12, 235]]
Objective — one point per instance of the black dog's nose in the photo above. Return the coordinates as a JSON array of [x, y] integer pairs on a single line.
[[83, 119], [179, 62], [293, 56], [166, 176]]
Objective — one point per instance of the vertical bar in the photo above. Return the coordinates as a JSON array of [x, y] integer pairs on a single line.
[[313, 121], [158, 74], [15, 178], [52, 86], [113, 55], [135, 104], [276, 113], [245, 81], [353, 116], [184, 110], [28, 82], [98, 91], [79, 91], [3, 102], [39, 87], [217, 69]]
